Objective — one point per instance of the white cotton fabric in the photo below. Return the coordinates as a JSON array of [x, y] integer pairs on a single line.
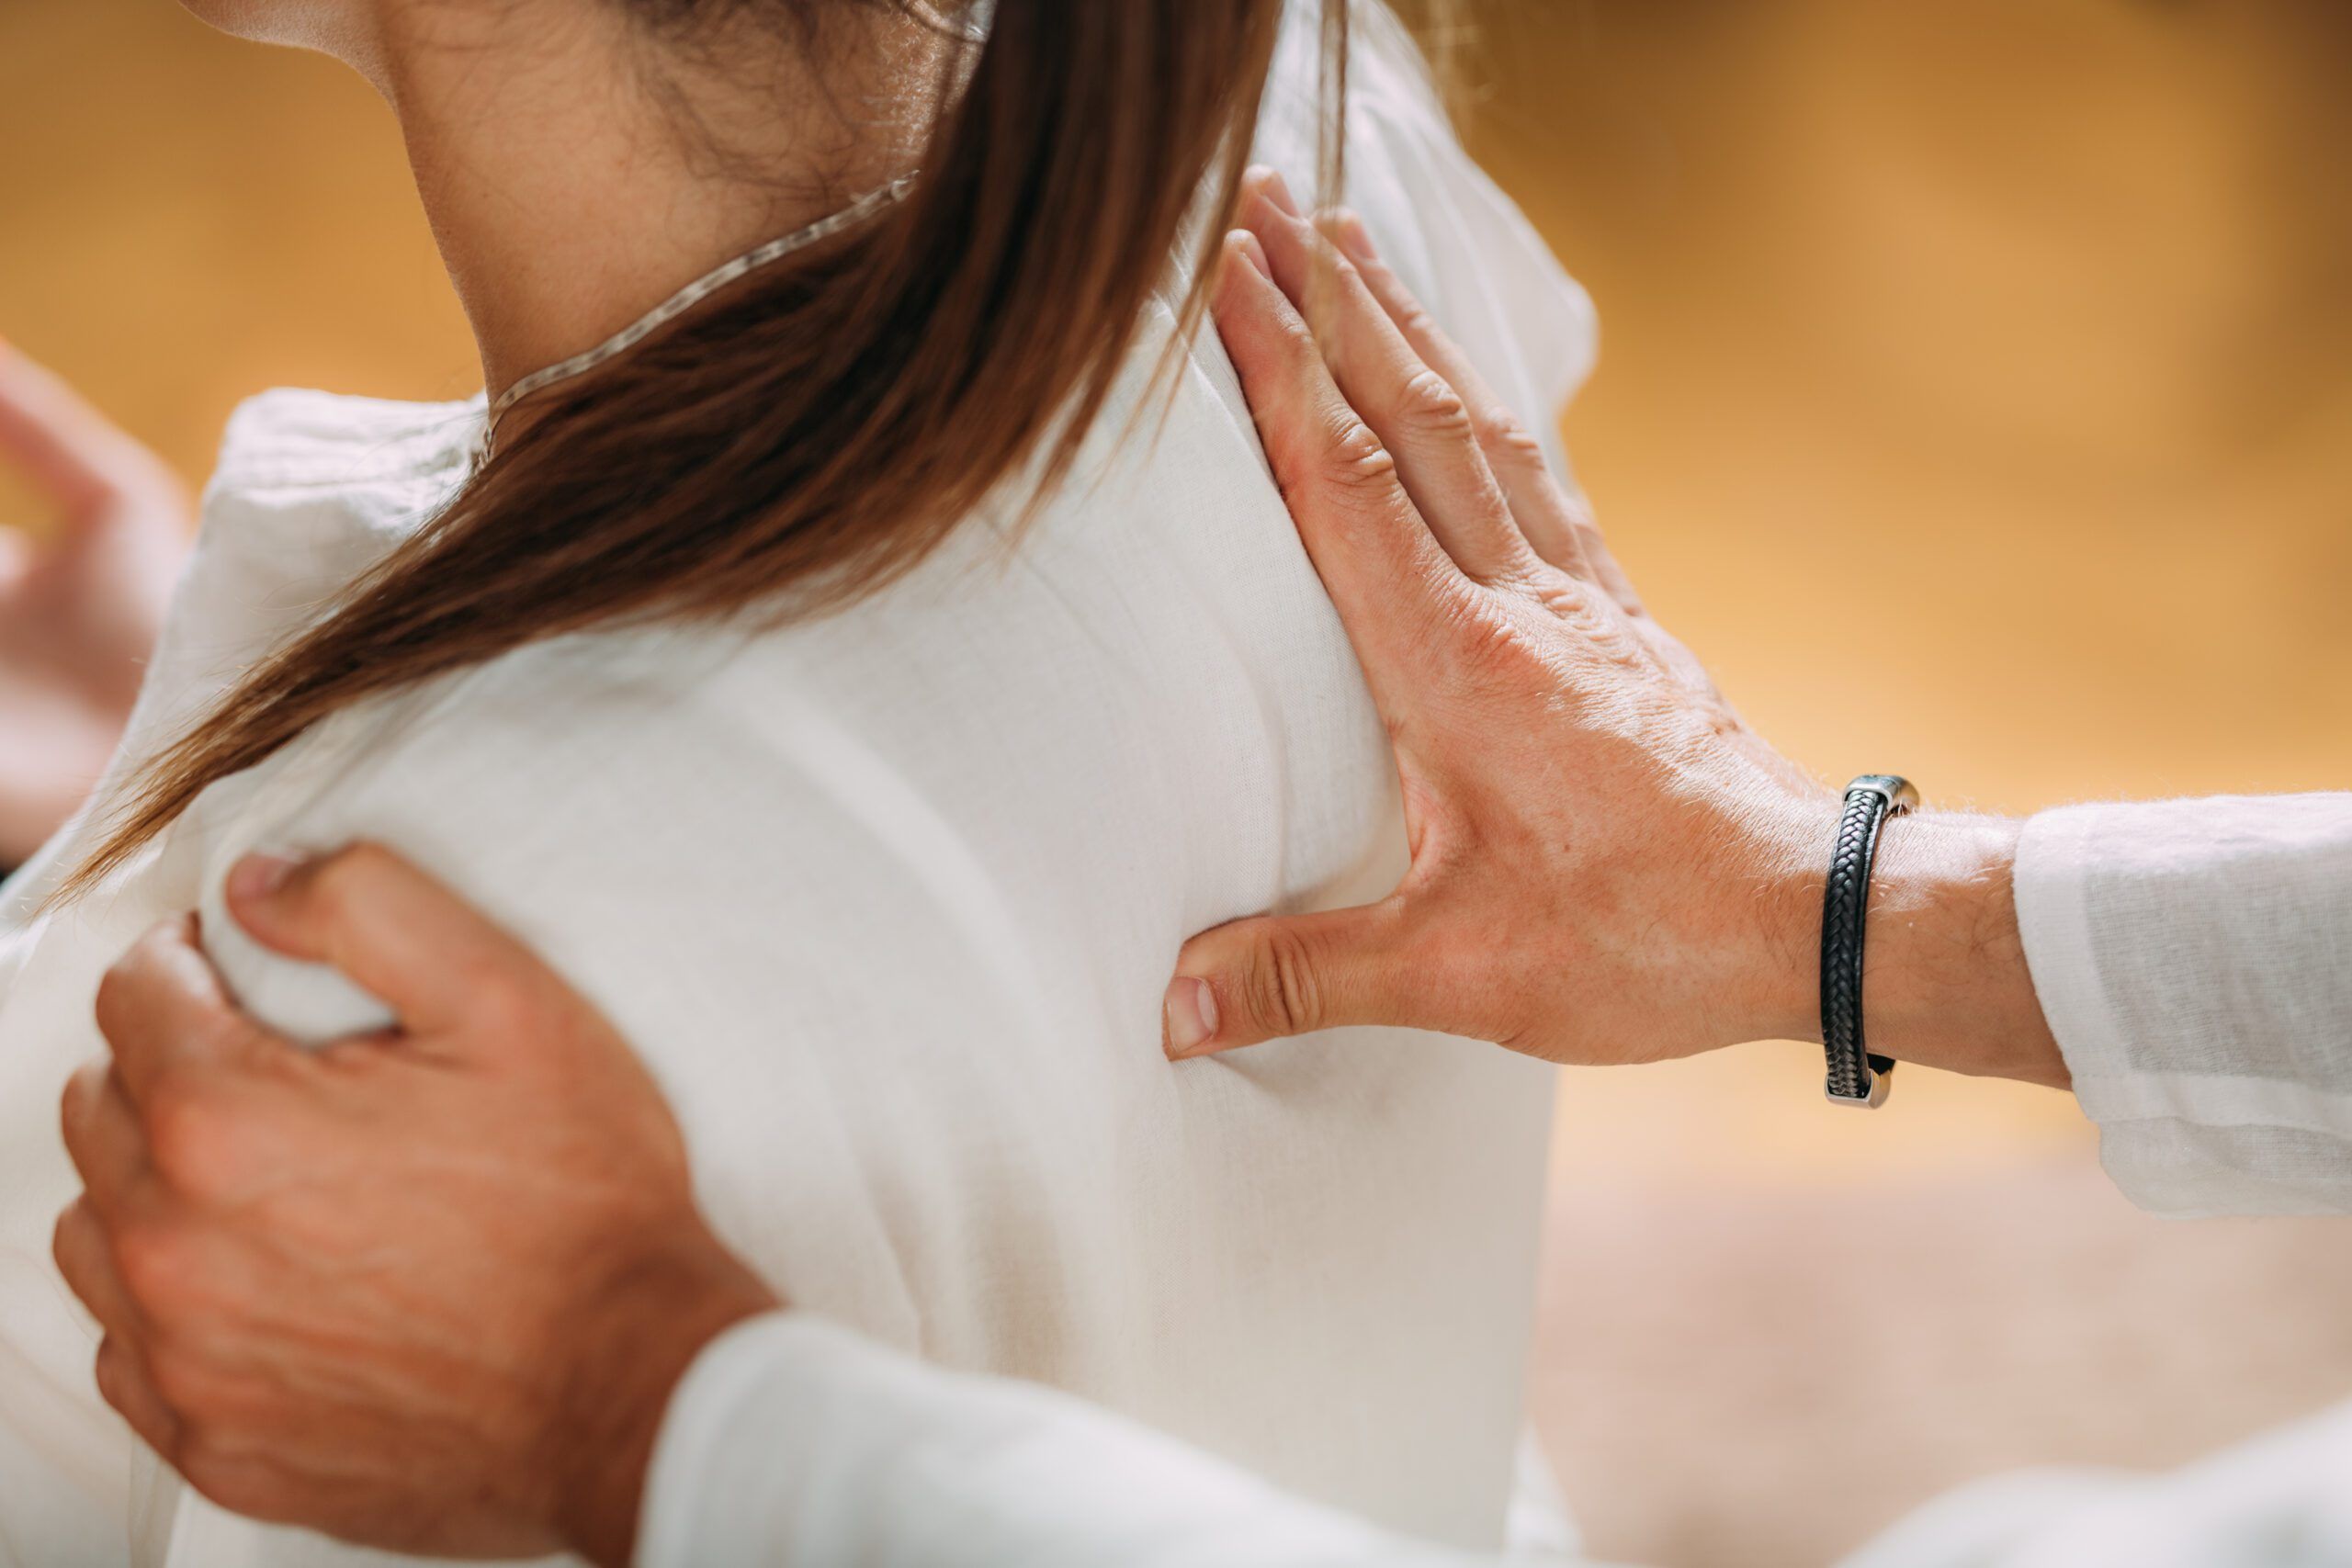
[[793, 1444], [888, 901], [2194, 958], [2195, 961]]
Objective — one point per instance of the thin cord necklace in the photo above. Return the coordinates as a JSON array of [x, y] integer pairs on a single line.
[[698, 291]]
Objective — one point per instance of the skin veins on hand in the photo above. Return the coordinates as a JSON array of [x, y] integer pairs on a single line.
[[485, 1217], [1608, 864]]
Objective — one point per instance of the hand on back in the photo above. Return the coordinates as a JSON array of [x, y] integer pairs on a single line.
[[428, 1291], [1607, 865]]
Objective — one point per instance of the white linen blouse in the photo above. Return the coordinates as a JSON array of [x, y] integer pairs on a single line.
[[888, 900]]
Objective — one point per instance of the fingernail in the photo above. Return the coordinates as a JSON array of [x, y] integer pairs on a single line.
[[1355, 239], [1278, 192], [1251, 251], [1188, 1015], [259, 875]]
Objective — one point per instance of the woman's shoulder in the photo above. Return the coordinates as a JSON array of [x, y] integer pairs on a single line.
[[295, 438], [1459, 240], [1388, 72], [311, 491]]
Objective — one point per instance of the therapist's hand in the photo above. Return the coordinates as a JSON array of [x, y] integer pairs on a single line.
[[428, 1291], [80, 608], [1607, 864]]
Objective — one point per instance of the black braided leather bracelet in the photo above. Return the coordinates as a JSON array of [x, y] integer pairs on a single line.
[[1856, 1078]]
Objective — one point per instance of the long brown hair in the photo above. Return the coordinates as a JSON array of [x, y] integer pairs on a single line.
[[819, 430]]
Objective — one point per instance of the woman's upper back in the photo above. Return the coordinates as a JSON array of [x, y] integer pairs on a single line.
[[888, 900]]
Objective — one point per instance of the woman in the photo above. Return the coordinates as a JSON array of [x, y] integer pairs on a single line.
[[1561, 775], [742, 678]]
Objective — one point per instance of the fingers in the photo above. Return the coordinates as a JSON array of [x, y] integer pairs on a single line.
[[394, 932], [85, 1260], [1557, 523], [103, 1136], [66, 447], [1553, 524], [1277, 975], [1378, 560], [1417, 413], [163, 1012], [124, 1383]]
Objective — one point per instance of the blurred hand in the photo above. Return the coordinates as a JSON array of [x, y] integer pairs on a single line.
[[1607, 865], [428, 1291], [79, 613]]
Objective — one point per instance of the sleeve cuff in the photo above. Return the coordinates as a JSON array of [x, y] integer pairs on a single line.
[[684, 1521], [2055, 857]]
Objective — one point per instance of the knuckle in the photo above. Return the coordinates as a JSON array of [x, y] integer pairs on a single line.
[[1564, 594], [1595, 620], [1355, 460], [1491, 641], [116, 1006], [69, 1239], [192, 1138], [155, 1264], [1427, 406], [1413, 318], [1284, 990], [79, 1103], [502, 1001], [196, 1372], [1506, 441], [1617, 641], [337, 887], [362, 861], [111, 1372], [182, 1385], [223, 1476], [1299, 356]]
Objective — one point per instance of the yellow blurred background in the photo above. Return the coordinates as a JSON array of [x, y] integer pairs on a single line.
[[1976, 397]]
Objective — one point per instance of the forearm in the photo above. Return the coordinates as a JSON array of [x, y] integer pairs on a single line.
[[793, 1441]]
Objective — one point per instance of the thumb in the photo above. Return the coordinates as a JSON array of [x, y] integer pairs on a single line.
[[1281, 975], [393, 930]]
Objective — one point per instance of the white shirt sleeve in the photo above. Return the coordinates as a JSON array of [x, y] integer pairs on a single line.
[[791, 1441], [2194, 958], [2195, 961]]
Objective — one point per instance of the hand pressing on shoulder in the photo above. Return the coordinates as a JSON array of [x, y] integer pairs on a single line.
[[427, 1290], [1607, 864]]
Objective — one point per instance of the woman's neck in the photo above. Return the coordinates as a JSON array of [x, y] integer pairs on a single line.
[[577, 171]]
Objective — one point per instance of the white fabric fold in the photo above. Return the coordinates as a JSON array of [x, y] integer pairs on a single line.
[[2195, 961], [2194, 958]]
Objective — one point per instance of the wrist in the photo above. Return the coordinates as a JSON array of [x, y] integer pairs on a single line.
[[1945, 982], [637, 1335], [1786, 990]]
